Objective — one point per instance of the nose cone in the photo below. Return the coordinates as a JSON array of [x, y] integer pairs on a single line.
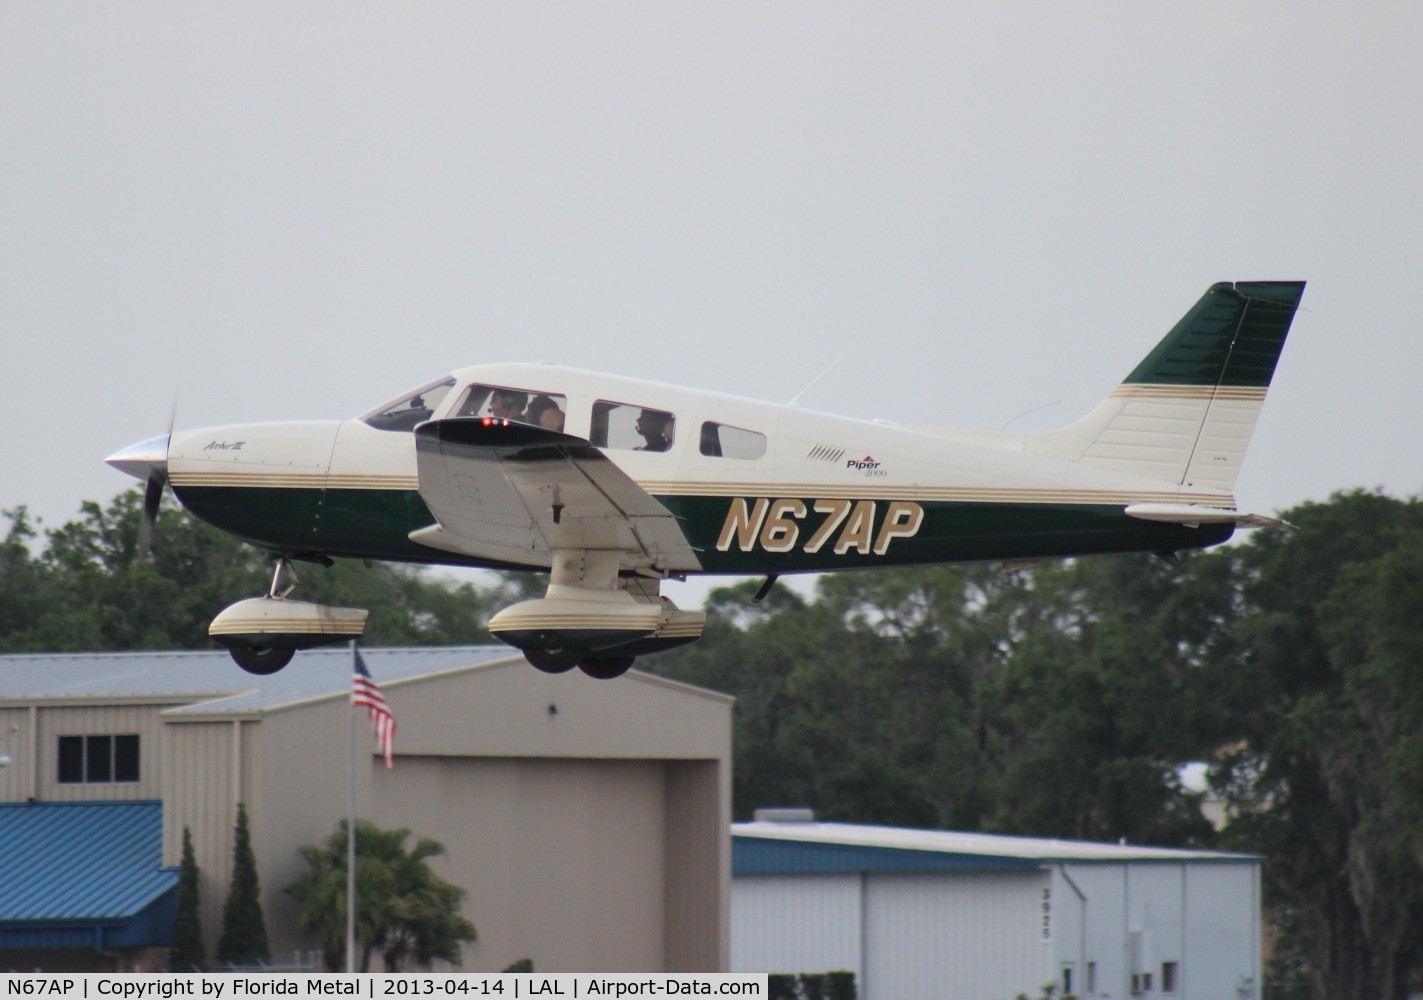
[[142, 459]]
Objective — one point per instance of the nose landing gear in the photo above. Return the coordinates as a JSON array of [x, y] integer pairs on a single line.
[[263, 633]]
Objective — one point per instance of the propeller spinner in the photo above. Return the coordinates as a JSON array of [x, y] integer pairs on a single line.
[[148, 461]]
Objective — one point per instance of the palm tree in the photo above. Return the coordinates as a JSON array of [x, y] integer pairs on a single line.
[[404, 910]]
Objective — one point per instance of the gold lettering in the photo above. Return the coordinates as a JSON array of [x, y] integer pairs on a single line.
[[902, 520], [858, 530], [781, 530], [837, 509], [742, 525]]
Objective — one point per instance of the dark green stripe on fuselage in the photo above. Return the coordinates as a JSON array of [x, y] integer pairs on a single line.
[[950, 532], [376, 524], [363, 524]]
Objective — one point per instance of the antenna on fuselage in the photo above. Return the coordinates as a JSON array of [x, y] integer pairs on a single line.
[[1020, 416], [795, 400]]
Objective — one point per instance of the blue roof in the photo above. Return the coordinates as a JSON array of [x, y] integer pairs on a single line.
[[782, 848], [757, 856], [81, 861]]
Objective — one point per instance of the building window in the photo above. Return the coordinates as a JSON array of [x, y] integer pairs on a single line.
[[93, 760]]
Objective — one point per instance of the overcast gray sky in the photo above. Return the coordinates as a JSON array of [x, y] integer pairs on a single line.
[[297, 210]]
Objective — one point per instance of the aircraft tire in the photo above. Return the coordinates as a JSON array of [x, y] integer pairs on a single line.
[[553, 661], [262, 660], [605, 668]]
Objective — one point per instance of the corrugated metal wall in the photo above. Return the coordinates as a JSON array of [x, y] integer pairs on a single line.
[[29, 737], [563, 860], [956, 935], [911, 936], [15, 782], [201, 797], [998, 934], [823, 936], [54, 722], [1202, 917]]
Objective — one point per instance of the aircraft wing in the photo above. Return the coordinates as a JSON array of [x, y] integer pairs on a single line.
[[512, 493]]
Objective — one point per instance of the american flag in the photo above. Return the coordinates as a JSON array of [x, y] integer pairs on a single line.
[[365, 691]]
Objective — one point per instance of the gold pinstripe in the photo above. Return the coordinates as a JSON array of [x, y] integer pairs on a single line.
[[677, 630], [555, 621], [294, 625], [823, 491], [1179, 392], [294, 480], [944, 494]]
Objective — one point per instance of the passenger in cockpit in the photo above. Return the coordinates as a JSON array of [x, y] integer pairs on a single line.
[[545, 412], [656, 428], [506, 404]]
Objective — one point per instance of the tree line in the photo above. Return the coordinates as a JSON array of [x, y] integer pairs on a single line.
[[1061, 699]]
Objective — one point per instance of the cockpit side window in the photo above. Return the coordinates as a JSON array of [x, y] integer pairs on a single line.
[[548, 410], [411, 409], [725, 441], [632, 428]]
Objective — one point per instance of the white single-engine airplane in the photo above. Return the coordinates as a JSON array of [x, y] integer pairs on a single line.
[[614, 484]]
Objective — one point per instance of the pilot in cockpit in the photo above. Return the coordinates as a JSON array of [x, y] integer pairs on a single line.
[[506, 404]]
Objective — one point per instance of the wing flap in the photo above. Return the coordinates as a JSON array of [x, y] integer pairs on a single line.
[[514, 493]]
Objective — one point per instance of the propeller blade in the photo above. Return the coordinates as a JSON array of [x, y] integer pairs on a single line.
[[152, 500], [153, 489]]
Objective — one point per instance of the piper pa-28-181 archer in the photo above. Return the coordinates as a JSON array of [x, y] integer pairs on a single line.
[[612, 485]]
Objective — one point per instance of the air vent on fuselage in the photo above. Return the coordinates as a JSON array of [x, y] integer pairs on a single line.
[[825, 453]]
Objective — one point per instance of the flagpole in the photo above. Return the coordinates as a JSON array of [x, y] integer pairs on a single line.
[[351, 835]]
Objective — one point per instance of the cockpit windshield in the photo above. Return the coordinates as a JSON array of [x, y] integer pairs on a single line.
[[527, 406], [411, 409]]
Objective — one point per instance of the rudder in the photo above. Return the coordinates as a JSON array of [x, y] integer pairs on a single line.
[[1186, 413]]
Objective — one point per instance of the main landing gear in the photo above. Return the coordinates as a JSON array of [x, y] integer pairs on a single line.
[[595, 616], [560, 661]]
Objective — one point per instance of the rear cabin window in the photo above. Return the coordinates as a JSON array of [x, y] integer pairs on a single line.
[[629, 427], [412, 409], [548, 410], [725, 441]]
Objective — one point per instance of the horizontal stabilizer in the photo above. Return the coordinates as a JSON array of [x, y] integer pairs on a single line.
[[1193, 516]]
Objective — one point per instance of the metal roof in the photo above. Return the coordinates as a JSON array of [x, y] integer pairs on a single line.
[[208, 681], [820, 847], [81, 861], [768, 856]]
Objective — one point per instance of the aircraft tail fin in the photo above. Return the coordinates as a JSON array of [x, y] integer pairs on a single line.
[[1186, 413]]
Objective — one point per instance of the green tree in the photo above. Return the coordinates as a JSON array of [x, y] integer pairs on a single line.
[[1117, 672], [405, 912], [188, 952], [22, 577], [1327, 781], [244, 930]]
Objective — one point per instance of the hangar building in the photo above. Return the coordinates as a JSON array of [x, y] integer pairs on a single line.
[[922, 915], [587, 821]]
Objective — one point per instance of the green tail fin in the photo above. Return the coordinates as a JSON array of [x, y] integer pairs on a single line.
[[1186, 413]]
